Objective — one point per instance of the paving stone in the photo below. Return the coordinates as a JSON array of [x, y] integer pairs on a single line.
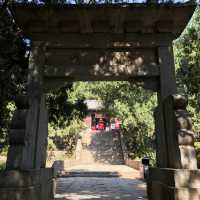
[[92, 179], [126, 187]]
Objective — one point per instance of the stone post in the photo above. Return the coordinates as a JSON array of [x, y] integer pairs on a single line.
[[167, 87], [176, 176], [180, 137], [17, 134], [28, 140], [180, 181]]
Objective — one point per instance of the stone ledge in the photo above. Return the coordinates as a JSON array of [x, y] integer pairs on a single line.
[[135, 164]]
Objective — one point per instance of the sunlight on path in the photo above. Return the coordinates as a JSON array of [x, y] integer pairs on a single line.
[[100, 188], [100, 173], [125, 187], [123, 170]]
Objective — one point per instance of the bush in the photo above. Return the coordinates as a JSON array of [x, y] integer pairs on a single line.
[[64, 138], [2, 166], [139, 142]]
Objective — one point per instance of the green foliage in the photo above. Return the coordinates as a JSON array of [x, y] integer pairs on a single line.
[[187, 54], [61, 110], [65, 119], [2, 166], [8, 113], [12, 68], [64, 138]]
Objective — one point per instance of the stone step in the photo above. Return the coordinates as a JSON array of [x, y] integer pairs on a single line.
[[89, 174], [101, 148]]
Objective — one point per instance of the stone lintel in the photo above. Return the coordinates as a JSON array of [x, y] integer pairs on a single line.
[[130, 18]]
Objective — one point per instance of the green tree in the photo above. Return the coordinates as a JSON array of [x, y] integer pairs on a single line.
[[12, 68], [187, 57]]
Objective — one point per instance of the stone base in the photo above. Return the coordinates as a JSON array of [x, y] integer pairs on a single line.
[[173, 184], [27, 185]]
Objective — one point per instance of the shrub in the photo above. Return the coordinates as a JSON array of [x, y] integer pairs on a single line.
[[64, 138]]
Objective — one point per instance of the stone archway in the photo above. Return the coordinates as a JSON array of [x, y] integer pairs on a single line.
[[88, 43]]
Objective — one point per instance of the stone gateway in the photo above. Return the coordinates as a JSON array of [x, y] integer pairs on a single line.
[[105, 43]]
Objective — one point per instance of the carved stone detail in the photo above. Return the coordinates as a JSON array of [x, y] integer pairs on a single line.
[[184, 133], [17, 134], [180, 137]]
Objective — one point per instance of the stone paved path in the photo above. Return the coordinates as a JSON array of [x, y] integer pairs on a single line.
[[92, 180], [125, 187], [100, 188]]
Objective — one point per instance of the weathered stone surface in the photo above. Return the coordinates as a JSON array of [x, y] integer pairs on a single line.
[[17, 137], [19, 119], [103, 18], [180, 138], [14, 157], [180, 102], [173, 184], [183, 120], [188, 157], [16, 178], [186, 137], [42, 136], [27, 185], [58, 166]]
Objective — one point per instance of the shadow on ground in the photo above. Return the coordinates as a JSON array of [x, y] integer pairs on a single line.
[[81, 188]]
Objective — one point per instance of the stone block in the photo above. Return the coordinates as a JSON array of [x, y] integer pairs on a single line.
[[183, 120], [27, 185], [14, 157], [186, 137], [188, 157], [179, 102], [173, 184], [135, 164], [19, 119], [58, 166], [17, 137]]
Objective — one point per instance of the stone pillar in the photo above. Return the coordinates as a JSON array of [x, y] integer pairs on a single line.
[[37, 120], [176, 176], [180, 137], [167, 87], [28, 140], [181, 180]]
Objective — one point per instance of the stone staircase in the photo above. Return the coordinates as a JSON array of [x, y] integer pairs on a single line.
[[102, 147], [79, 173], [95, 153]]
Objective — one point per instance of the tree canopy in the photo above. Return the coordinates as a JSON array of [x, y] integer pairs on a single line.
[[187, 57]]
